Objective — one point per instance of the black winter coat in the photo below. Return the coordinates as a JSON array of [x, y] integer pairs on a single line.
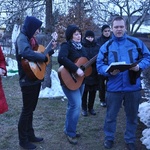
[[102, 39], [68, 55], [92, 49]]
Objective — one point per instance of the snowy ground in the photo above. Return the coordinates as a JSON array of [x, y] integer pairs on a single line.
[[53, 92]]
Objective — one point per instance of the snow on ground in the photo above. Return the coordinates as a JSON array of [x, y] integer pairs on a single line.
[[53, 92]]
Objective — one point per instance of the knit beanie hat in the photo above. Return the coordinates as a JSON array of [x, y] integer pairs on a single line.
[[70, 30], [89, 33], [104, 27]]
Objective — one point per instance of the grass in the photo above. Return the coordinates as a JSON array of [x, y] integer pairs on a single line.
[[49, 118]]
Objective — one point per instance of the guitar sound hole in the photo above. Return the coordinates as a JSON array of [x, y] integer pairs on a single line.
[[82, 67]]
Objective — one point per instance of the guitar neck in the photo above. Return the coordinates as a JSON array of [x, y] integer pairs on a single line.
[[90, 62], [48, 47]]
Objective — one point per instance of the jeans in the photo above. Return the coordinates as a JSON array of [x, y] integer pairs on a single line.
[[114, 101], [30, 98], [73, 109]]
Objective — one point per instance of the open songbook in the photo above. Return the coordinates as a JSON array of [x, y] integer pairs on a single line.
[[122, 66]]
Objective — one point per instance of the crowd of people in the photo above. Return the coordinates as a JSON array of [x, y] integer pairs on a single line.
[[115, 89]]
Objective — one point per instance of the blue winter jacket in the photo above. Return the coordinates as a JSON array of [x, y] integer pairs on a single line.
[[125, 49]]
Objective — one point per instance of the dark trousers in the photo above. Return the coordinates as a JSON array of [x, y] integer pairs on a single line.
[[102, 88], [30, 98], [88, 96], [130, 101]]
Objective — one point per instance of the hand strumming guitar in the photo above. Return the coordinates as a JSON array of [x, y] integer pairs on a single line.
[[80, 72]]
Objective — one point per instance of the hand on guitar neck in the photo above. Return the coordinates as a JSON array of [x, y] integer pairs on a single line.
[[54, 40], [52, 44]]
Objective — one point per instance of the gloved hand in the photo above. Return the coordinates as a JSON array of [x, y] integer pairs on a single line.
[[80, 72]]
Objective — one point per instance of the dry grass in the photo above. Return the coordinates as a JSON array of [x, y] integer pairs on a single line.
[[49, 120]]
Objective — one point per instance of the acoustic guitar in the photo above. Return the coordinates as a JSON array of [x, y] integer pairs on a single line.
[[71, 80], [36, 70]]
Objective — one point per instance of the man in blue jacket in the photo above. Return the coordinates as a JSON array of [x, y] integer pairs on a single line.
[[122, 87]]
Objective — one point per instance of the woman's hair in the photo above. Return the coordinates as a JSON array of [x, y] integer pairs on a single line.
[[71, 29]]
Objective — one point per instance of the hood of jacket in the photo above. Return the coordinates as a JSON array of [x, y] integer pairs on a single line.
[[31, 24]]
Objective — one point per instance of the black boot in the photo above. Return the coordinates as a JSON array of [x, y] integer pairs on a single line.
[[27, 145], [36, 139], [31, 135], [92, 112], [22, 129]]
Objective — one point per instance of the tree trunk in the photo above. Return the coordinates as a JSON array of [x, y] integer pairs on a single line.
[[47, 78], [49, 16], [48, 31]]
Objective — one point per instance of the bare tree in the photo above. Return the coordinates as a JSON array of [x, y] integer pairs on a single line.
[[76, 15], [136, 12], [14, 11], [48, 31]]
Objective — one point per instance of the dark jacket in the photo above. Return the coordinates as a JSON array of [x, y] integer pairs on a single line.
[[92, 49], [24, 49], [68, 55], [102, 39]]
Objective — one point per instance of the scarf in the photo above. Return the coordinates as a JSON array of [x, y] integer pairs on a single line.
[[77, 45]]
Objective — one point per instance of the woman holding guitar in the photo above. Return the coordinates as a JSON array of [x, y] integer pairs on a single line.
[[71, 52], [26, 54]]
